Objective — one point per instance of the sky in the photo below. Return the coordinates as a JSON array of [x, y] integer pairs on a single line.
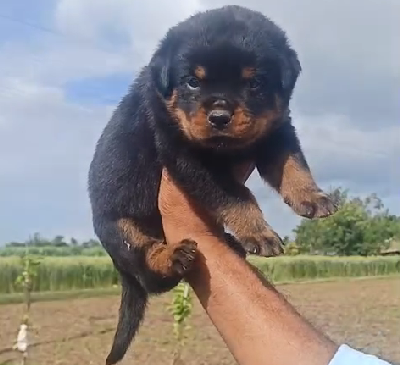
[[65, 64]]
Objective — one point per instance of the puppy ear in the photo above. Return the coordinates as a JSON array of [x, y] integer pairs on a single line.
[[290, 72], [160, 68]]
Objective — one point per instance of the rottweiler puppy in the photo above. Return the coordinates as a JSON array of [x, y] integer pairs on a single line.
[[215, 94]]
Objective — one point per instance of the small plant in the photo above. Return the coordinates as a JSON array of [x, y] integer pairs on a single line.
[[25, 279], [181, 309]]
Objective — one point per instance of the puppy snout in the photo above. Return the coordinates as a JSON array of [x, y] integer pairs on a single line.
[[219, 118]]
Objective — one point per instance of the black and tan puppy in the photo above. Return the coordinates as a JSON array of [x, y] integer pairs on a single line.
[[215, 93]]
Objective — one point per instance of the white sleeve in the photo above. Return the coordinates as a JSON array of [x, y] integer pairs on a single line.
[[346, 355]]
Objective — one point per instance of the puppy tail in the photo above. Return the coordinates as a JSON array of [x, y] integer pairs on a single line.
[[131, 313]]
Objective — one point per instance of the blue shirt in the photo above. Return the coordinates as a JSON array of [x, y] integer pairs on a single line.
[[346, 355]]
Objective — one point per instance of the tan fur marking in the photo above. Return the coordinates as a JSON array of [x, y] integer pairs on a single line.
[[158, 255], [200, 72], [248, 72], [132, 234], [247, 222], [291, 179], [241, 218], [237, 218], [243, 127], [197, 128], [249, 128], [158, 258]]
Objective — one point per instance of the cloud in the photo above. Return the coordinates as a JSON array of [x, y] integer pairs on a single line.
[[347, 48], [139, 25], [72, 60], [44, 156]]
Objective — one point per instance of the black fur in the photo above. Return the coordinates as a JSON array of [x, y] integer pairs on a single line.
[[142, 136]]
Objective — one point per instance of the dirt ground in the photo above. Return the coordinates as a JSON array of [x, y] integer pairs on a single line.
[[362, 313]]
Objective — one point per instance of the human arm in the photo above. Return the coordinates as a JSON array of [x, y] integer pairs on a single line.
[[256, 322]]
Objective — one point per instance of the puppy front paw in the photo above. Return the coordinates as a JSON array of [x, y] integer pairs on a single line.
[[264, 242], [311, 204]]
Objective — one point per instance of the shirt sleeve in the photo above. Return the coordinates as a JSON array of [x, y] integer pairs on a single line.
[[346, 355]]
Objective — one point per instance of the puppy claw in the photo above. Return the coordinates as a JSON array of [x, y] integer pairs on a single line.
[[267, 244], [183, 256], [314, 204]]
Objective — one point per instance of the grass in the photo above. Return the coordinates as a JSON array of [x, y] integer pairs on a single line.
[[294, 268], [61, 274], [54, 251]]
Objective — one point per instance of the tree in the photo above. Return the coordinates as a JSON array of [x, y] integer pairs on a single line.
[[74, 242], [359, 227], [37, 241], [58, 241], [91, 243]]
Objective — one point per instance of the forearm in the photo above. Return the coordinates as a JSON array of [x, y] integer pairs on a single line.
[[258, 325]]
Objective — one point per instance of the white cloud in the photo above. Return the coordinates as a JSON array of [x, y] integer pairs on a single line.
[[45, 149], [338, 148], [46, 136], [142, 23], [349, 59]]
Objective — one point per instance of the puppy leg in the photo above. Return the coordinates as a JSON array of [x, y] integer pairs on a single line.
[[246, 221], [164, 264], [146, 265], [283, 165], [230, 202]]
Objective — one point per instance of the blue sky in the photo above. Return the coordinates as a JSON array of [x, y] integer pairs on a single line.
[[66, 63]]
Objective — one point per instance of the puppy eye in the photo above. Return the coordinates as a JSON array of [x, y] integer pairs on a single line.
[[193, 83]]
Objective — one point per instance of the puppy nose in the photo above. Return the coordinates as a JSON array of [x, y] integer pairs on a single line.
[[219, 118]]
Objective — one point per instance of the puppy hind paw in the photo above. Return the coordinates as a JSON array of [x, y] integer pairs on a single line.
[[183, 256]]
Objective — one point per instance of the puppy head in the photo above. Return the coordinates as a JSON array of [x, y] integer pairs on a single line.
[[226, 76]]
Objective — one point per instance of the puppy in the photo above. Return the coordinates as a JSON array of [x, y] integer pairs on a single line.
[[215, 94]]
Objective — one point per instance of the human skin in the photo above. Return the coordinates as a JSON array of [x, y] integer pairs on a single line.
[[256, 322]]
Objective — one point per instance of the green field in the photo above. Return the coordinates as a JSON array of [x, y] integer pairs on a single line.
[[54, 251], [83, 272]]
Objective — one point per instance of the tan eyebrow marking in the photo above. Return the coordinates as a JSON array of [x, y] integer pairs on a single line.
[[248, 72], [200, 72]]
